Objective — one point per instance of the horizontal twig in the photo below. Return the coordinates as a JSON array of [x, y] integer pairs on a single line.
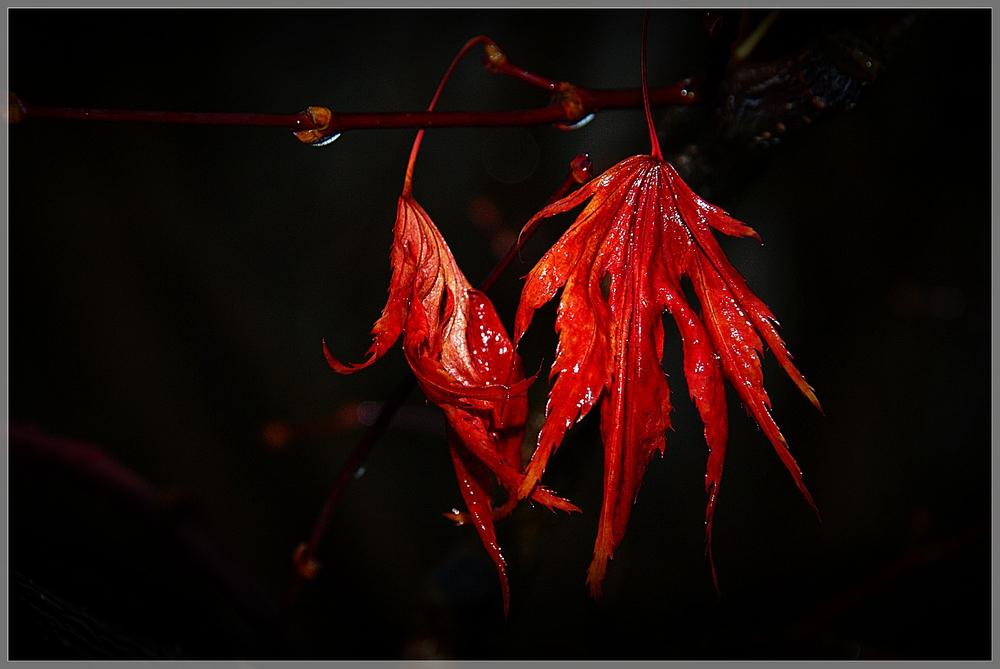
[[569, 106]]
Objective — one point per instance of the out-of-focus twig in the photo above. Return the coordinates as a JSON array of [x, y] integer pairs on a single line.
[[92, 466]]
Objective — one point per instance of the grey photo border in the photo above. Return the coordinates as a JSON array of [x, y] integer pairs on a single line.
[[383, 4]]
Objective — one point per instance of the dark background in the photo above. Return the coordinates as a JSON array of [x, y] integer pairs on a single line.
[[169, 287]]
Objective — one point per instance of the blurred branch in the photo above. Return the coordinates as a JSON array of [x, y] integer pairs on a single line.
[[78, 631], [92, 466]]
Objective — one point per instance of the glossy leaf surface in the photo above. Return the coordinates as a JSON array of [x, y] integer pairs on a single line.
[[464, 362], [620, 267]]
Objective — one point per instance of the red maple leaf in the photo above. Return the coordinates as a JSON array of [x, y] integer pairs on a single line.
[[464, 362], [620, 267]]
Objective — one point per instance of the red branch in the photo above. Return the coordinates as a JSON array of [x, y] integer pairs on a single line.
[[570, 105]]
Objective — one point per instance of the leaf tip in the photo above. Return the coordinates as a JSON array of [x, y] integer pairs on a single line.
[[458, 517], [815, 402], [711, 563], [595, 576], [598, 568], [341, 368], [335, 364], [805, 493]]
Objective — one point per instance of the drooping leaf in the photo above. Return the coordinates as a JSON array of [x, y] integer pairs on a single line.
[[620, 267], [464, 362], [462, 358]]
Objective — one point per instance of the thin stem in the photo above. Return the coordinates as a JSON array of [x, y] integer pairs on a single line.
[[654, 141], [497, 62], [408, 181], [579, 173], [743, 51], [306, 564]]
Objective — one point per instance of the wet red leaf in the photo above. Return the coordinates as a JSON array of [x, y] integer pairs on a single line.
[[464, 363], [463, 360], [620, 267]]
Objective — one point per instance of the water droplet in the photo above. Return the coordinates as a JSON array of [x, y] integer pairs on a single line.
[[326, 140], [575, 126]]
